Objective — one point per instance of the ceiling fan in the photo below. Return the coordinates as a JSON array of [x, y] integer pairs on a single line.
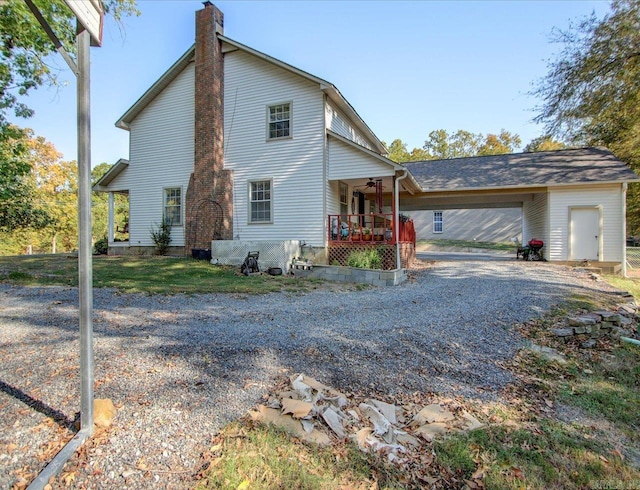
[[375, 185], [372, 184]]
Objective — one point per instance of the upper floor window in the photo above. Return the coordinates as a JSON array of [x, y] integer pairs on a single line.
[[437, 221], [173, 205], [260, 201], [279, 121]]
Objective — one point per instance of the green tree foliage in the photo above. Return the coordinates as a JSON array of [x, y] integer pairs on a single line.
[[443, 145], [99, 204], [24, 48], [399, 154], [499, 144], [544, 143], [397, 151], [100, 208], [53, 186], [591, 93], [18, 209]]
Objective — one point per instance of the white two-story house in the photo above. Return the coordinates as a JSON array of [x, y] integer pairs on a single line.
[[232, 144], [240, 151]]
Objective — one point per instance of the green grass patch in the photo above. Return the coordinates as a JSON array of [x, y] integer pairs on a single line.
[[156, 275], [626, 284], [544, 455], [262, 457], [469, 244], [610, 390]]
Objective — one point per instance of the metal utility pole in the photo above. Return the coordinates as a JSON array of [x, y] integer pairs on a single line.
[[89, 14], [85, 257]]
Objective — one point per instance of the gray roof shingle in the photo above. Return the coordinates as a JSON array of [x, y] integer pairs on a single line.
[[546, 168]]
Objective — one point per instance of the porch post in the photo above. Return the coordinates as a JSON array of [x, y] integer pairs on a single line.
[[110, 225], [396, 228], [396, 206]]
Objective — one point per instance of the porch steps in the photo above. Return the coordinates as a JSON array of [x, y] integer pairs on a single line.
[[613, 268]]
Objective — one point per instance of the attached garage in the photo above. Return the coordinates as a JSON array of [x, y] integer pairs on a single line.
[[574, 200]]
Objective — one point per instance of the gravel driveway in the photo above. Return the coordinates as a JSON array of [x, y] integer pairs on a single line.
[[180, 367]]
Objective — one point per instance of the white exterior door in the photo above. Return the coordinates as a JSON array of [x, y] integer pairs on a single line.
[[584, 237]]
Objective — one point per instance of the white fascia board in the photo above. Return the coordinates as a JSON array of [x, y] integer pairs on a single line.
[[112, 173], [531, 186]]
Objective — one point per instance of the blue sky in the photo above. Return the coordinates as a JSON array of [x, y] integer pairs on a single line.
[[407, 67]]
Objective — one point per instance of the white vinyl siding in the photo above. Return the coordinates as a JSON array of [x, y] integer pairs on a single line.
[[483, 225], [337, 122], [608, 198], [346, 162], [161, 156], [333, 198], [294, 165], [535, 220]]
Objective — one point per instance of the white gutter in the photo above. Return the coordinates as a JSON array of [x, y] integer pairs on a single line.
[[396, 197]]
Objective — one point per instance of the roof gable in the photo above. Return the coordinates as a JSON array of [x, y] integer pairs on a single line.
[[229, 45], [547, 168]]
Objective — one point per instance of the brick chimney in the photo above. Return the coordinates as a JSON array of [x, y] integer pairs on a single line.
[[209, 180]]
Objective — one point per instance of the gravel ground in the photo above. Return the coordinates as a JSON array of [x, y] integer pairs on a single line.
[[180, 367]]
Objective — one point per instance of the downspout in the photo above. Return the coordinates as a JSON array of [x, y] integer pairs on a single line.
[[396, 205], [623, 197], [325, 173]]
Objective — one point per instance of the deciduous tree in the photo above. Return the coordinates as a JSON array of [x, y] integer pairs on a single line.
[[591, 93], [25, 48], [443, 145], [544, 143], [18, 206]]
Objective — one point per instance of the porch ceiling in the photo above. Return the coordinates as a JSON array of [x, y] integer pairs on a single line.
[[482, 199]]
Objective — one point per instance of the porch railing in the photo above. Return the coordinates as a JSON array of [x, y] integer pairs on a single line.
[[361, 228]]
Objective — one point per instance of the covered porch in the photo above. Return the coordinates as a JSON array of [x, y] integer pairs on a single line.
[[363, 204]]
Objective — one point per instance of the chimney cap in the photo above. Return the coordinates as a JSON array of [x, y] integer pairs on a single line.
[[207, 3]]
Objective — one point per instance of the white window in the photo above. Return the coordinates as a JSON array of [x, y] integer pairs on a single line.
[[437, 221], [173, 205], [260, 201], [344, 199], [279, 121]]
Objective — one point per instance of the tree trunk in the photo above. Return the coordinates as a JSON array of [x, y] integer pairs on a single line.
[[53, 243]]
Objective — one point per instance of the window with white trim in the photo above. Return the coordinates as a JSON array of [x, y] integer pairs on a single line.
[[344, 199], [173, 205], [260, 201], [279, 121], [437, 221]]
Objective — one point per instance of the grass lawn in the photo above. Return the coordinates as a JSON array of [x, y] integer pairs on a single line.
[[156, 275]]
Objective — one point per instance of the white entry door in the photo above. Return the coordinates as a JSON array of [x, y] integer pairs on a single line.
[[584, 234]]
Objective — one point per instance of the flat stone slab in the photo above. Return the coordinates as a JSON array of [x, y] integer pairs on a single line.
[[562, 332], [548, 353], [583, 320]]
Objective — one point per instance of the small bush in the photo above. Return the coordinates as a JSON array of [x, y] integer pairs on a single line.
[[365, 259], [162, 236], [101, 247]]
